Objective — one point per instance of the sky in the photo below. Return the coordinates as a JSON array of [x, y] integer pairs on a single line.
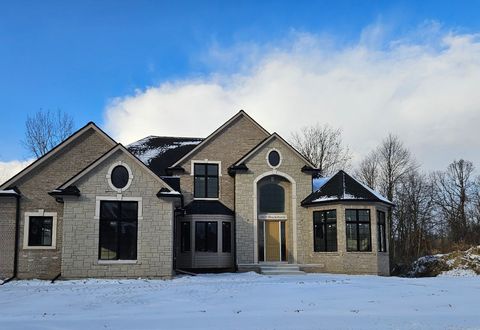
[[138, 68]]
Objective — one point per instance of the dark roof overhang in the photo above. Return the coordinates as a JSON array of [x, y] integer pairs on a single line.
[[10, 192], [311, 170], [176, 169], [69, 191], [232, 170], [207, 207]]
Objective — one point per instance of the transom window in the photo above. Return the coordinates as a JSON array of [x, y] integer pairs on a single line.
[[206, 236], [40, 231], [118, 230], [325, 231], [382, 236], [358, 230], [205, 180], [272, 198]]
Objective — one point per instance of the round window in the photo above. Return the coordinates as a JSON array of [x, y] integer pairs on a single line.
[[274, 158], [119, 177]]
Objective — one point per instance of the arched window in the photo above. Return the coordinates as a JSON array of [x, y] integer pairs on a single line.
[[272, 198]]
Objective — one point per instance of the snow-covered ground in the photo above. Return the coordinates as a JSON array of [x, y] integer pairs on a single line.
[[244, 301]]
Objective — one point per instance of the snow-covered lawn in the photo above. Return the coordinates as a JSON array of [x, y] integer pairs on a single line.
[[244, 301]]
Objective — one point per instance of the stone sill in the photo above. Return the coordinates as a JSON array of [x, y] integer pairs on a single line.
[[117, 262]]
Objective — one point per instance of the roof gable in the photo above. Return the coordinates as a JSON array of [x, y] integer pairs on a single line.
[[216, 133], [43, 159], [343, 187], [265, 142], [105, 156]]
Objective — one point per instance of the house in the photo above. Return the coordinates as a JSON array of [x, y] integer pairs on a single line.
[[238, 199]]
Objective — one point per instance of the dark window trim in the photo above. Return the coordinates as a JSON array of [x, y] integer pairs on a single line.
[[358, 222], [118, 222], [227, 248], [382, 233], [206, 176], [206, 223], [325, 224], [183, 240], [43, 219]]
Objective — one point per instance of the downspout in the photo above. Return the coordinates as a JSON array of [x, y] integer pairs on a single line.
[[17, 234]]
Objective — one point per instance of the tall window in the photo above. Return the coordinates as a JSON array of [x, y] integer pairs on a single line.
[[325, 231], [358, 230], [272, 198], [185, 236], [382, 236], [206, 180], [226, 237], [118, 230], [40, 231], [206, 234]]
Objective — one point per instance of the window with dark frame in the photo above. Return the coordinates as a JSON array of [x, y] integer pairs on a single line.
[[205, 180], [118, 230], [226, 237], [40, 231], [206, 235], [272, 198], [119, 177], [359, 236], [382, 232], [185, 245], [325, 231]]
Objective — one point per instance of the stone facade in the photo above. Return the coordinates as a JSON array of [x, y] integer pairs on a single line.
[[34, 188], [81, 225], [246, 199], [8, 211], [233, 142], [342, 261]]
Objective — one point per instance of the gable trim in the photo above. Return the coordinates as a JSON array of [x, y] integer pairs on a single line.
[[120, 147], [264, 142], [56, 149], [216, 132]]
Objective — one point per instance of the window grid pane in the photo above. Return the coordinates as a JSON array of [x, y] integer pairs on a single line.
[[206, 181], [40, 231], [358, 230], [325, 231]]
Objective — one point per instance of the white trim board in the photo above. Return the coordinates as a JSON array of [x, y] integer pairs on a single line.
[[26, 229]]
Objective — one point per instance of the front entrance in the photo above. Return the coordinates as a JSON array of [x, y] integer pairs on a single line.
[[273, 241]]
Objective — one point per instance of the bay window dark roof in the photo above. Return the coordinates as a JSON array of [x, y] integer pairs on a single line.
[[343, 187], [207, 207], [160, 152]]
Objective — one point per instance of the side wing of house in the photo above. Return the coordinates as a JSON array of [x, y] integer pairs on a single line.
[[39, 216], [118, 220]]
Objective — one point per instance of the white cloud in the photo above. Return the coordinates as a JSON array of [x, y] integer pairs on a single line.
[[423, 87], [10, 168]]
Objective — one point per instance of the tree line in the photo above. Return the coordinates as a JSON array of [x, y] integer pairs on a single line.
[[435, 212]]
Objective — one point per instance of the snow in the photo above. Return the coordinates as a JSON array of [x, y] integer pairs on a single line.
[[244, 301], [377, 194], [146, 153], [458, 272], [8, 192]]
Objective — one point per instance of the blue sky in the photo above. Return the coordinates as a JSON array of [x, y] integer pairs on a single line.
[[77, 57]]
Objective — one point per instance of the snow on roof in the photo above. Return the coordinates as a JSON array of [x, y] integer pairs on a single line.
[[146, 151], [376, 193], [8, 192]]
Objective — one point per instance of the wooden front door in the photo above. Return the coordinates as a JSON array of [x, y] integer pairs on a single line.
[[272, 240]]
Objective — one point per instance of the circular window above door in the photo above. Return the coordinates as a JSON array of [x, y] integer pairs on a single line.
[[274, 159], [119, 177]]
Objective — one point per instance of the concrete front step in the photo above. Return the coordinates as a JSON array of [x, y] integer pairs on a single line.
[[280, 269]]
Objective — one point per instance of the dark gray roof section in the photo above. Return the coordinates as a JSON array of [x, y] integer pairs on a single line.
[[160, 152], [343, 187], [207, 207]]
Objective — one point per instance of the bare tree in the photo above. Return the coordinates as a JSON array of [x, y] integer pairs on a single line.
[[368, 170], [322, 145], [45, 129], [413, 213], [455, 196]]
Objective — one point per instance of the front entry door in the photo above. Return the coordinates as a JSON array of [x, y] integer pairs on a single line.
[[272, 238]]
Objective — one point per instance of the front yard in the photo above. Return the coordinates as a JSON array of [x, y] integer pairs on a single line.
[[244, 301]]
